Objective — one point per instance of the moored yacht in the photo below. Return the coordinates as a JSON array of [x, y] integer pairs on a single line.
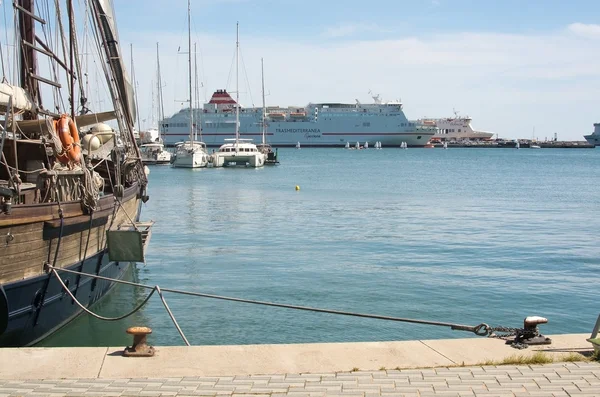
[[455, 128], [192, 153], [264, 147], [154, 153], [238, 151]]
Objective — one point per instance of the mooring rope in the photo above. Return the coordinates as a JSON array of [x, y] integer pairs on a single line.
[[482, 329], [154, 289]]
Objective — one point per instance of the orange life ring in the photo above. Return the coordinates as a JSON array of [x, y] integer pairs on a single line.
[[69, 137]]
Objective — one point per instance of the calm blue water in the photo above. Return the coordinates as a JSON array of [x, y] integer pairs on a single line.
[[458, 235]]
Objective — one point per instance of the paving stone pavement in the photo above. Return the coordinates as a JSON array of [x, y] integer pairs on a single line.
[[558, 379]]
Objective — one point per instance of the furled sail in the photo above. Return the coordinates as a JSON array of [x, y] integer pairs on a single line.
[[104, 13], [21, 100]]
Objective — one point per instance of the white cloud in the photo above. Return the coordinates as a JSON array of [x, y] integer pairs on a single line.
[[351, 29], [586, 30]]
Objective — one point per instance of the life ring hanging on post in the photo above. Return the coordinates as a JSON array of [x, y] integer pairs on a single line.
[[69, 137]]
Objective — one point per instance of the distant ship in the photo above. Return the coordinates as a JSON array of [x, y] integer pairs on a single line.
[[456, 128], [315, 125], [594, 137]]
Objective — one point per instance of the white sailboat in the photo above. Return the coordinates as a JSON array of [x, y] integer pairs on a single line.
[[238, 151], [192, 153], [264, 147], [155, 153], [533, 144], [347, 145]]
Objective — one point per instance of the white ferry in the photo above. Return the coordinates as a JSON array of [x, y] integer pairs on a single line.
[[315, 125], [594, 137]]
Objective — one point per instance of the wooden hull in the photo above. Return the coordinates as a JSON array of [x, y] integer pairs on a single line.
[[32, 302]]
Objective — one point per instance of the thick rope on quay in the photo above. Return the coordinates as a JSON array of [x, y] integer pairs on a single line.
[[481, 329]]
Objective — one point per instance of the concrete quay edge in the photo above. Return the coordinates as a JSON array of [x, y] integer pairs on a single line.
[[241, 360]]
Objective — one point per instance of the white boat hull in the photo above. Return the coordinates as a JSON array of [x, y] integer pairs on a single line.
[[194, 160], [242, 159], [190, 155]]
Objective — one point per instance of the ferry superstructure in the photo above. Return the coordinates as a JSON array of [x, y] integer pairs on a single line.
[[594, 137], [456, 128], [315, 125]]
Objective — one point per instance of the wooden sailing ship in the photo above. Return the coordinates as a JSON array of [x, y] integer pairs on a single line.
[[66, 179]]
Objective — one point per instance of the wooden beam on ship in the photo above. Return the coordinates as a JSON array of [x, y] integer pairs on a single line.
[[44, 80], [54, 56], [31, 14]]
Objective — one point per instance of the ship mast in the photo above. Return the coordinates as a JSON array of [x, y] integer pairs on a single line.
[[159, 87], [196, 92], [237, 89], [262, 74], [28, 55], [190, 70]]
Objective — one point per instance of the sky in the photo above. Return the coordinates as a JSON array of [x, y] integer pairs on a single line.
[[521, 69]]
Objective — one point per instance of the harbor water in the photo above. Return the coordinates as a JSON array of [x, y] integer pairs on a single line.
[[460, 235]]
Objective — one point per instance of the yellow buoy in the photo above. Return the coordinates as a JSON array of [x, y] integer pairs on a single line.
[[297, 187]]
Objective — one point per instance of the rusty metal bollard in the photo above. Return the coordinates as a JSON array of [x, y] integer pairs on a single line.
[[139, 347]]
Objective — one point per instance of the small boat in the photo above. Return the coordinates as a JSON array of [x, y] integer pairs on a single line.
[[154, 153], [535, 147], [192, 153], [264, 147], [347, 146], [298, 115], [357, 146], [270, 155], [298, 145], [238, 153], [366, 145], [277, 116]]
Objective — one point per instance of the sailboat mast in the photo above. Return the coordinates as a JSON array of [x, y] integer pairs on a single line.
[[190, 69], [134, 82], [262, 75], [196, 90], [237, 85], [161, 110]]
